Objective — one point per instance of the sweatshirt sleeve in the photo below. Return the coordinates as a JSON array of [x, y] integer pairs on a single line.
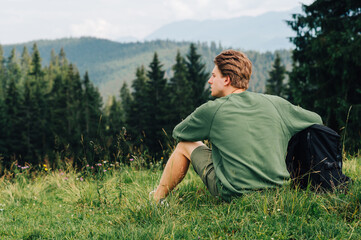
[[297, 118], [197, 125]]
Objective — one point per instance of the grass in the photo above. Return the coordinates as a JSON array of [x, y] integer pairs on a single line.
[[114, 205]]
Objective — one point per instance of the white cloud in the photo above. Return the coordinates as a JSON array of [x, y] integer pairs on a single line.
[[179, 9], [203, 3], [97, 27]]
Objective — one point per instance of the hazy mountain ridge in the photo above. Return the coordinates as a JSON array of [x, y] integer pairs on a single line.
[[266, 32], [111, 63]]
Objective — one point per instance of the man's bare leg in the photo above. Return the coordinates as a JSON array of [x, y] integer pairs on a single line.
[[175, 169]]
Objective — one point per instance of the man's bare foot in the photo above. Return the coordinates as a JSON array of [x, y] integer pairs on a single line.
[[158, 196]]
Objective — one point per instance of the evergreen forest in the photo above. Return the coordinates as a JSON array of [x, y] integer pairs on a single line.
[[54, 115]]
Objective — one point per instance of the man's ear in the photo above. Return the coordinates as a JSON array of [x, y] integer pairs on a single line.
[[227, 81]]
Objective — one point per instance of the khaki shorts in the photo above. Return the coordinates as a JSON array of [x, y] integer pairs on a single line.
[[201, 159]]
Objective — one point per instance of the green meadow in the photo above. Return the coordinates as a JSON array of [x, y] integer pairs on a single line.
[[109, 201]]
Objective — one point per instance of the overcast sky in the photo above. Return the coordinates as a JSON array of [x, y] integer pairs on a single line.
[[25, 20]]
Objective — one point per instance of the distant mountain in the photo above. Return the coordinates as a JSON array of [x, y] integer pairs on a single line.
[[266, 32], [110, 64]]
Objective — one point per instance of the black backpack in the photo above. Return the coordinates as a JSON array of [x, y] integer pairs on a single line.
[[314, 158]]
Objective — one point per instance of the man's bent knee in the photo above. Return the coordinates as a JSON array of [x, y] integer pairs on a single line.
[[186, 148]]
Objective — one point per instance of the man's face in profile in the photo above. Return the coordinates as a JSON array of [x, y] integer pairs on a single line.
[[217, 82]]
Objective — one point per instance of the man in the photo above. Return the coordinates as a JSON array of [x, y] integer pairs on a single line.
[[249, 133]]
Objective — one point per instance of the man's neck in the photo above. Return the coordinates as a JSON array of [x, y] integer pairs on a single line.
[[234, 90]]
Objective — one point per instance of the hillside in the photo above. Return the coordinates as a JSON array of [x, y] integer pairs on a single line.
[[58, 204], [111, 63]]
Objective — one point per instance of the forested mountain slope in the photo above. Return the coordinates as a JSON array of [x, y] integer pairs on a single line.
[[111, 63]]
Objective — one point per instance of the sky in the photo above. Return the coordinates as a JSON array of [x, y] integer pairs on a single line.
[[26, 20]]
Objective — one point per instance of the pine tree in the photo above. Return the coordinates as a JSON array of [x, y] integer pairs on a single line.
[[13, 68], [54, 68], [13, 123], [67, 140], [25, 65], [137, 115], [92, 107], [63, 61], [74, 112], [125, 100], [197, 77], [156, 109], [2, 73], [25, 61], [36, 69], [58, 117], [54, 59], [180, 92], [118, 149], [274, 84], [30, 131], [115, 122], [93, 128], [3, 133], [59, 100], [41, 108], [14, 120]]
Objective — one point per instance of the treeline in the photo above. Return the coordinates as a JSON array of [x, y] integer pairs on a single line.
[[47, 113], [52, 114]]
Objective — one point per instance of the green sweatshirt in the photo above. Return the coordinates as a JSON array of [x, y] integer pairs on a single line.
[[249, 133]]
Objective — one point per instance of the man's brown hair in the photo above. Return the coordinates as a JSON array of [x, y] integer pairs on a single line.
[[236, 65]]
